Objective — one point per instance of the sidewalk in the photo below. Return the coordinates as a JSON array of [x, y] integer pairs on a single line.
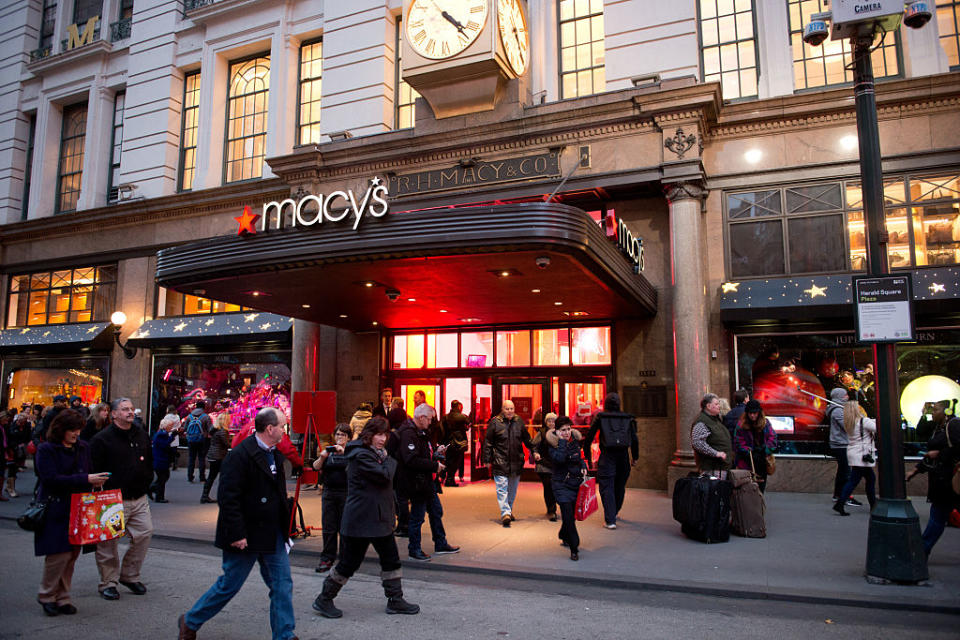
[[810, 554]]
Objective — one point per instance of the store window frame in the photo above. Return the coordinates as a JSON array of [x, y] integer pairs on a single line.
[[795, 37], [116, 146], [589, 16], [68, 152], [83, 10], [737, 42], [95, 284], [256, 168], [28, 167], [13, 363], [160, 302], [189, 113], [48, 25], [950, 9], [301, 82]]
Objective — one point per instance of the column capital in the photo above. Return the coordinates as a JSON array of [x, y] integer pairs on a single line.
[[684, 190]]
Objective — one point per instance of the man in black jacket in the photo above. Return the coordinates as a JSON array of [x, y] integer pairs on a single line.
[[386, 397], [730, 421], [252, 526], [503, 453], [416, 468], [124, 450], [619, 449]]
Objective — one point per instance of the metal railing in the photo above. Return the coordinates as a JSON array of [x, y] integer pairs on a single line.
[[189, 5], [120, 30], [40, 54]]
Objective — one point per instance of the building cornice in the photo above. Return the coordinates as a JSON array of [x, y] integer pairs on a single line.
[[98, 49]]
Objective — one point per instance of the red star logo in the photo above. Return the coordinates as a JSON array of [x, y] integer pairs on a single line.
[[246, 221]]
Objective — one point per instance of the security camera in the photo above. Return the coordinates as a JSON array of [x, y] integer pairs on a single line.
[[542, 262], [393, 295], [916, 15], [816, 31]]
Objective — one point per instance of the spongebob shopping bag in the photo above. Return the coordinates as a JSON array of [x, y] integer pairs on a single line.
[[96, 516]]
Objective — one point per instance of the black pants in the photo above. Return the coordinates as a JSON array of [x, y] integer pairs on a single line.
[[403, 510], [613, 469], [159, 486], [546, 479], [214, 472], [352, 551], [332, 502], [196, 451], [174, 456], [568, 527], [454, 465], [843, 469]]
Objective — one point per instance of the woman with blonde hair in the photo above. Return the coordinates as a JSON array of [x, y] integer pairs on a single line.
[[861, 454], [219, 446]]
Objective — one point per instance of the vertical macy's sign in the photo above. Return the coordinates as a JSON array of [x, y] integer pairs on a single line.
[[313, 209]]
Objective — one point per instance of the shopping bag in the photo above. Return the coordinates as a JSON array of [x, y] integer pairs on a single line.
[[586, 499], [96, 516]]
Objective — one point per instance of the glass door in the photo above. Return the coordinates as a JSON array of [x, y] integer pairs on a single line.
[[480, 414], [529, 396], [582, 400]]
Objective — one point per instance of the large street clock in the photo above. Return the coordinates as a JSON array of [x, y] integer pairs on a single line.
[[460, 54]]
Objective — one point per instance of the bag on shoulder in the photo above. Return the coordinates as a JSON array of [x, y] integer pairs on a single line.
[[34, 516], [616, 429], [194, 429]]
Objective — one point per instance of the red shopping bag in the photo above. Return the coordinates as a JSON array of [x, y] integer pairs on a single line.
[[586, 499], [954, 518], [96, 516]]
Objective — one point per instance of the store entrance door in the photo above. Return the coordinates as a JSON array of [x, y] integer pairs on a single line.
[[529, 397]]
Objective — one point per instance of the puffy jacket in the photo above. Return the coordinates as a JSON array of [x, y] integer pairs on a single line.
[[358, 421], [415, 455], [838, 435], [219, 444], [502, 445]]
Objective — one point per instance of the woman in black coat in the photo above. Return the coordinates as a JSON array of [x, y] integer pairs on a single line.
[[368, 518], [332, 465], [569, 469], [541, 454], [63, 468]]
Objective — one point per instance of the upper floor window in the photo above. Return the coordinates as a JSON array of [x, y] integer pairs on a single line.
[[188, 129], [948, 21], [174, 303], [28, 167], [70, 170], [832, 62], [83, 10], [116, 148], [48, 23], [126, 10], [247, 118], [581, 48], [728, 46], [311, 70], [85, 294], [404, 96]]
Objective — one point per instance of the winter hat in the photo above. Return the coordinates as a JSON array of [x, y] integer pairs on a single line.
[[752, 407]]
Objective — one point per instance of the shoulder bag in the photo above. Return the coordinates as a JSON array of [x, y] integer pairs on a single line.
[[34, 516]]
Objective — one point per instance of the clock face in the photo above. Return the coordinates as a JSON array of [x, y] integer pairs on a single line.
[[513, 34], [439, 29]]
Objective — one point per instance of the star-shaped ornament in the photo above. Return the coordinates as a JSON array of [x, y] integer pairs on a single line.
[[179, 327], [246, 222], [815, 291], [208, 322], [265, 326], [92, 330], [730, 286], [375, 181], [936, 288], [250, 317]]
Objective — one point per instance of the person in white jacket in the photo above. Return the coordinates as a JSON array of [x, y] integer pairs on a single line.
[[861, 454]]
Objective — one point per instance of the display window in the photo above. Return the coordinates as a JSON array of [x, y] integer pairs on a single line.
[[29, 386], [239, 384], [174, 303], [791, 375], [84, 294]]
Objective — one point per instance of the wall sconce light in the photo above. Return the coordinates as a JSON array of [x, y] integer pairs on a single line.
[[119, 318]]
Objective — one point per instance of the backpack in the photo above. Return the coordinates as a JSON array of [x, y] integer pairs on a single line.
[[616, 429], [194, 428]]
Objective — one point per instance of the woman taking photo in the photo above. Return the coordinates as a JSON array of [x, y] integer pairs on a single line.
[[754, 438], [368, 518], [63, 468], [541, 454], [332, 466], [861, 454], [569, 469], [219, 446]]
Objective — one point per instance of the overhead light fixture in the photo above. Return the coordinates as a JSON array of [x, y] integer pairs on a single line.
[[558, 303], [343, 315], [369, 284], [118, 319], [534, 290], [305, 306], [411, 299], [374, 323], [504, 273], [576, 314], [469, 319], [256, 293], [443, 310]]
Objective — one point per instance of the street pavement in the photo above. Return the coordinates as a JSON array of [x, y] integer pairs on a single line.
[[454, 605], [810, 554]]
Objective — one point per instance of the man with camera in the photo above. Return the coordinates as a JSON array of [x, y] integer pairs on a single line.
[[418, 462]]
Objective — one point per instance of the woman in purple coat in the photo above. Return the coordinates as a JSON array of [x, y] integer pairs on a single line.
[[63, 467]]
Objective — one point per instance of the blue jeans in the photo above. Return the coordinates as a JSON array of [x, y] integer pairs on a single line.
[[935, 525], [856, 474], [419, 507], [275, 570], [506, 492]]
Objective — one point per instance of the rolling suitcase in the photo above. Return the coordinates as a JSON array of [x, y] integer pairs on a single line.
[[747, 506], [701, 505]]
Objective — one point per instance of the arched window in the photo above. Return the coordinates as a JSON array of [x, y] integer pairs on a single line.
[[70, 170], [247, 119]]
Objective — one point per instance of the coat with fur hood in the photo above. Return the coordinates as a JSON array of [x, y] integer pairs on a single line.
[[359, 420], [568, 465]]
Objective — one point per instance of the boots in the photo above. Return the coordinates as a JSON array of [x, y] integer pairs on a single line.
[[838, 507], [395, 602], [11, 489], [324, 602]]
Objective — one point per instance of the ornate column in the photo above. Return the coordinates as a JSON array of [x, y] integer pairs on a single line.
[[690, 339]]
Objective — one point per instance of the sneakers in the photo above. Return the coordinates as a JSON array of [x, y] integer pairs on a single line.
[[853, 502], [447, 548], [401, 532], [324, 566], [838, 507], [505, 521], [610, 525], [419, 555]]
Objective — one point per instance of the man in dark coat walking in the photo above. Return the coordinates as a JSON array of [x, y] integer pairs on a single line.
[[503, 453], [252, 526], [619, 448]]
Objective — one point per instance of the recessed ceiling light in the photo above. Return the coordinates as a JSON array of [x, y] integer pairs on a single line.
[[443, 310], [343, 315], [411, 299], [469, 319], [558, 303], [504, 273], [305, 306], [575, 313], [368, 284], [256, 294], [534, 290], [374, 323]]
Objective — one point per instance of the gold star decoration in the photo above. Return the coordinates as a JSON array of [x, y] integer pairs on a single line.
[[179, 327], [46, 333], [815, 291], [250, 317], [92, 329], [208, 322], [27, 330], [265, 326], [936, 288], [730, 286]]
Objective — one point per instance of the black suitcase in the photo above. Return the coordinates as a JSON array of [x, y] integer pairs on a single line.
[[702, 507]]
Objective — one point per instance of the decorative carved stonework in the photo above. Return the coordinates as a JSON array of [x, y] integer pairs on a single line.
[[684, 191], [680, 143]]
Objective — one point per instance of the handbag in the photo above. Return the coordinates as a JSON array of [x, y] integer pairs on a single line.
[[96, 516], [586, 499], [771, 464], [35, 516]]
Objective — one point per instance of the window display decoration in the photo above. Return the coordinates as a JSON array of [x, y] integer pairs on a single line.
[[924, 391]]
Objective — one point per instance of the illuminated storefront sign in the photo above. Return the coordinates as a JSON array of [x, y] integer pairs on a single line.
[[313, 209], [473, 173], [630, 246]]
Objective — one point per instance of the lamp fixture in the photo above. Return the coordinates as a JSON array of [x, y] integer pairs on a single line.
[[504, 273], [118, 319]]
